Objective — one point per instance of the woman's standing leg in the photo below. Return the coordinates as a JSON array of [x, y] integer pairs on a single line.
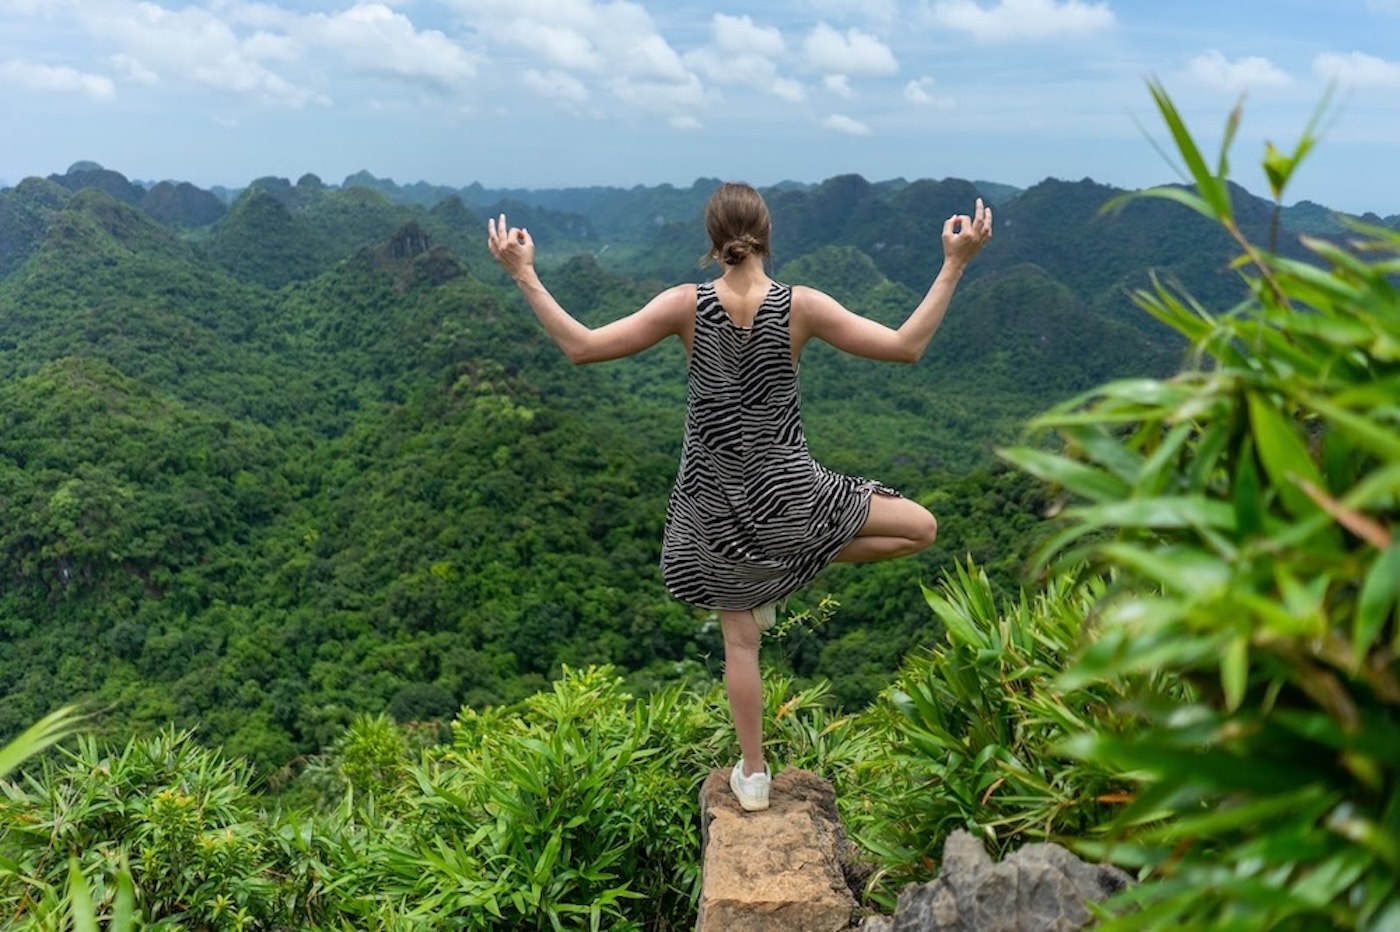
[[744, 685]]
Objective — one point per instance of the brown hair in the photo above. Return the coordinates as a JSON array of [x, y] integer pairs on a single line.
[[738, 223]]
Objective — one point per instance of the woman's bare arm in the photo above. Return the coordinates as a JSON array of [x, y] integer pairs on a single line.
[[816, 314], [671, 312]]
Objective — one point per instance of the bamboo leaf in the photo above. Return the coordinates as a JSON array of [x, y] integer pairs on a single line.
[[1283, 454], [1212, 189], [1078, 478], [1191, 572], [1161, 512], [1234, 671], [43, 734], [80, 899], [1380, 593]]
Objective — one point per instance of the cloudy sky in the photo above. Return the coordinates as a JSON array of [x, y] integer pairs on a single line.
[[543, 93]]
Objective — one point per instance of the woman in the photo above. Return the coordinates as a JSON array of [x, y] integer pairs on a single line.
[[752, 517]]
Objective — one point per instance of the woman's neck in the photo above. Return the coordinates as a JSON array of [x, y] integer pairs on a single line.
[[746, 274]]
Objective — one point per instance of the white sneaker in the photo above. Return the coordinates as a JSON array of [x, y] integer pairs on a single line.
[[751, 790], [766, 615]]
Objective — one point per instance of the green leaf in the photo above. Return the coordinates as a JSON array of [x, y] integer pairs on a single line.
[[1105, 449], [1277, 168], [124, 904], [1167, 511], [1212, 189], [1380, 593], [1246, 497], [1234, 671], [1378, 437], [80, 899], [48, 731], [1078, 478], [1284, 455]]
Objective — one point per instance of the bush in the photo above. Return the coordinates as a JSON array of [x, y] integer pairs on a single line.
[[975, 726], [1249, 504]]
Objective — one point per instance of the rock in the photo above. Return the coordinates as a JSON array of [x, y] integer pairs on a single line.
[[779, 870], [1039, 888]]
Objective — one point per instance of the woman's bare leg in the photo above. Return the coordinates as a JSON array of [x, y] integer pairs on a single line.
[[895, 527], [744, 685]]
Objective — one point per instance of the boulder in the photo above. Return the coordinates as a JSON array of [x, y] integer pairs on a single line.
[[778, 870], [1038, 888]]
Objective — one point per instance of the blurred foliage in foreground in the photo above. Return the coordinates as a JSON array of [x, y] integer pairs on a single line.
[[1245, 510]]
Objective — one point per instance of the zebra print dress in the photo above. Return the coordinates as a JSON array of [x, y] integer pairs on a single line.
[[752, 517]]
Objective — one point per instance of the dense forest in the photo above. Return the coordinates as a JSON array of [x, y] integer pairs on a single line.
[[270, 463], [349, 580]]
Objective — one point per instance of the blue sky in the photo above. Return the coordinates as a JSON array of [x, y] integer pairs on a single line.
[[545, 93]]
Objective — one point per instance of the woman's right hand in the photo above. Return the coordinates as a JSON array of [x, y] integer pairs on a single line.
[[512, 247]]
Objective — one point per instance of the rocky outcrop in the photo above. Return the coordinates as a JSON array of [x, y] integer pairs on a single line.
[[779, 870], [1039, 888]]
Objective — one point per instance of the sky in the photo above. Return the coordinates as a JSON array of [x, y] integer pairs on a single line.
[[565, 93]]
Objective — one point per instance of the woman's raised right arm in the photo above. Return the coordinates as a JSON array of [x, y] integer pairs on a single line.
[[671, 312]]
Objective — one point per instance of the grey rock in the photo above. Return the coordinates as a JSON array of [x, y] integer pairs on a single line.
[[1039, 888]]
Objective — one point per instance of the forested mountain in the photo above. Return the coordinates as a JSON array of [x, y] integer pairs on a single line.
[[270, 464]]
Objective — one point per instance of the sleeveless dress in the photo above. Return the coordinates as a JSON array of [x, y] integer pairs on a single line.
[[752, 517]]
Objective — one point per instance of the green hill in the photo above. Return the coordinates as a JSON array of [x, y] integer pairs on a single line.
[[315, 458]]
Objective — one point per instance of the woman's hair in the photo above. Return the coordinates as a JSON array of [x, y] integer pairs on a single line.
[[738, 223]]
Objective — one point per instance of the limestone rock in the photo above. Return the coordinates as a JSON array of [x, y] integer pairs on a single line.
[[1039, 888], [778, 870]]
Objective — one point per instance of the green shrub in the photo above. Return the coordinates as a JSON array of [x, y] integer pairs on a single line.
[[577, 811], [1249, 504], [975, 725], [180, 816]]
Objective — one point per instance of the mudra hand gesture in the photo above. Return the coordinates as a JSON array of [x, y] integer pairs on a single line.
[[964, 236], [512, 247]]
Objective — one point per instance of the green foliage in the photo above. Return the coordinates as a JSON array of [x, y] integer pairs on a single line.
[[577, 813], [177, 814], [578, 809], [977, 722], [1247, 509]]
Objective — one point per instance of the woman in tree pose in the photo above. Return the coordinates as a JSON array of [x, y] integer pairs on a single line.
[[752, 517]]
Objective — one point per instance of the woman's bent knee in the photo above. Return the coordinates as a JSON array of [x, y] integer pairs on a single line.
[[924, 529]]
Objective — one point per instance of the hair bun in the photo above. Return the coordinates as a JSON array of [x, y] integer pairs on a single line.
[[737, 250]]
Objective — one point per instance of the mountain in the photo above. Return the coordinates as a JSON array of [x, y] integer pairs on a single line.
[[264, 473]]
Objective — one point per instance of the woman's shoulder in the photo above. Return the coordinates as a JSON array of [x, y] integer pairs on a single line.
[[806, 295]]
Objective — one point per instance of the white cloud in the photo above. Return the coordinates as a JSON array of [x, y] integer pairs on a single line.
[[1357, 69], [686, 122], [371, 37], [194, 45], [34, 76], [1024, 20], [851, 52], [667, 97], [844, 124], [556, 85], [917, 92], [260, 49], [1214, 70], [788, 89], [557, 45], [133, 70], [744, 54], [614, 46], [840, 85], [740, 34]]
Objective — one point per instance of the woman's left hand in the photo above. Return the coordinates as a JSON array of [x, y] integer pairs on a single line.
[[964, 236]]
